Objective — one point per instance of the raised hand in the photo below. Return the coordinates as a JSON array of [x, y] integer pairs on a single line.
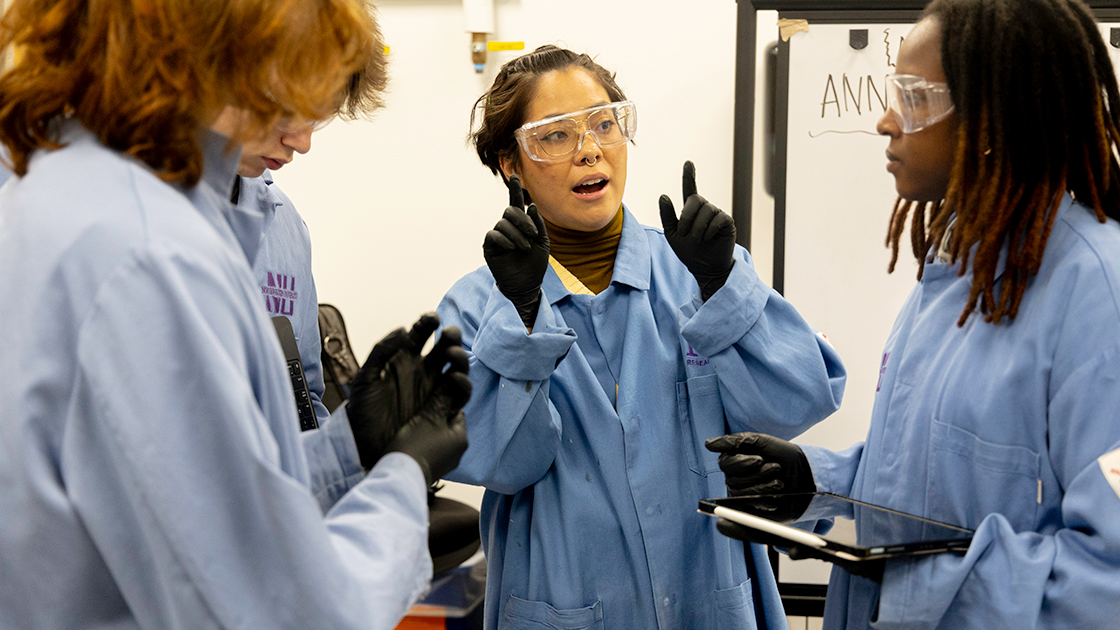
[[703, 238], [516, 251]]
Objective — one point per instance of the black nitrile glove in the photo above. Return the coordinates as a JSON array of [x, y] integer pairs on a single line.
[[870, 569], [395, 381], [516, 251], [703, 238], [437, 436], [755, 463]]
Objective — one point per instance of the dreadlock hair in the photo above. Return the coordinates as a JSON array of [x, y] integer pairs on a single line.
[[1034, 91]]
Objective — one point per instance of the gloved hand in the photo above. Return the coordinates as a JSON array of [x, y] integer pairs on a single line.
[[755, 463], [395, 381], [516, 251], [437, 436], [703, 238]]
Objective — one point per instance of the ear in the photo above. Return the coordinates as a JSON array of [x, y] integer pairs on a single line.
[[507, 166]]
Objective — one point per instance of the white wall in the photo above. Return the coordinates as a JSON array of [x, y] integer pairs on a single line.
[[398, 206]]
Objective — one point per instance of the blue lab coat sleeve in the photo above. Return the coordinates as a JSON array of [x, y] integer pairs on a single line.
[[833, 471], [775, 372], [204, 494], [510, 370]]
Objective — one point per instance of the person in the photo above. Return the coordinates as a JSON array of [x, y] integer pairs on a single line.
[[283, 271], [997, 404], [603, 352], [342, 446], [153, 472]]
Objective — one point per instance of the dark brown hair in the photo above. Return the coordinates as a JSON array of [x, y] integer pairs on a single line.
[[503, 105], [1036, 98], [145, 75]]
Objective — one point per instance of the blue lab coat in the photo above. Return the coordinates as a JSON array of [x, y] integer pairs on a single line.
[[588, 435], [1011, 430], [283, 270], [151, 471]]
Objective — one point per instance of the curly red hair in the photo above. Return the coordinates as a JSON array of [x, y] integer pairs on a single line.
[[146, 75]]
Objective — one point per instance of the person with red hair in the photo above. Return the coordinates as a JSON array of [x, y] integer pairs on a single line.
[[151, 468]]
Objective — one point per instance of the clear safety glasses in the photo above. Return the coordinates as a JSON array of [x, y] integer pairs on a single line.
[[917, 103], [559, 136]]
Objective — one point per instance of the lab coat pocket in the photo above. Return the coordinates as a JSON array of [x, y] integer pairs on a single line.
[[735, 608], [700, 412], [522, 614], [970, 478]]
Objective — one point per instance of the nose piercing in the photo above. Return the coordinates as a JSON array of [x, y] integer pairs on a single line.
[[589, 160]]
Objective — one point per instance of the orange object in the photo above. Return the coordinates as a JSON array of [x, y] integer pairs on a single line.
[[422, 623]]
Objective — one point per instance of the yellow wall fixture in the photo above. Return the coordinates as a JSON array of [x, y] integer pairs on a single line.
[[480, 23], [500, 46]]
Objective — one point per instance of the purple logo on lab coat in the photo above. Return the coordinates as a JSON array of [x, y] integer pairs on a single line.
[[280, 294], [882, 370], [694, 359]]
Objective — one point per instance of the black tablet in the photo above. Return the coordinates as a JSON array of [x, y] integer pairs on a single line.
[[884, 533]]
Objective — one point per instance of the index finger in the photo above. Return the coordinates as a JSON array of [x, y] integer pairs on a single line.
[[688, 181], [385, 349], [422, 329], [734, 443], [516, 197]]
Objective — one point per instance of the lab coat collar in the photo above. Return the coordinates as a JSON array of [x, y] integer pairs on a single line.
[[218, 173], [219, 161], [255, 196], [631, 263], [1001, 264]]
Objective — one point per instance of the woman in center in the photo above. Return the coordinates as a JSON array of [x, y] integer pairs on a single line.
[[603, 354]]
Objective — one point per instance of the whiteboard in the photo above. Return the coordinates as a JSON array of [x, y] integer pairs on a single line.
[[838, 202], [838, 199]]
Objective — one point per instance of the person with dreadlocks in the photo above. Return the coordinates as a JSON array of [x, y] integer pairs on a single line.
[[998, 408]]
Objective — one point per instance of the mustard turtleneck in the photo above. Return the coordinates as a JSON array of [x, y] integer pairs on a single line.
[[589, 256]]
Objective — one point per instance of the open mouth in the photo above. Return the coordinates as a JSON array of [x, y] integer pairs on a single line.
[[590, 187]]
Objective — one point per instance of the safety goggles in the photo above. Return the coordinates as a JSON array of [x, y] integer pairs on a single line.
[[559, 136], [917, 103]]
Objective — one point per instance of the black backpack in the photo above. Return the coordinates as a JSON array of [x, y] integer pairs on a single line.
[[339, 363]]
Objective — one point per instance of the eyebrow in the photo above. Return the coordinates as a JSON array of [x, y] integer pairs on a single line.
[[599, 104]]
